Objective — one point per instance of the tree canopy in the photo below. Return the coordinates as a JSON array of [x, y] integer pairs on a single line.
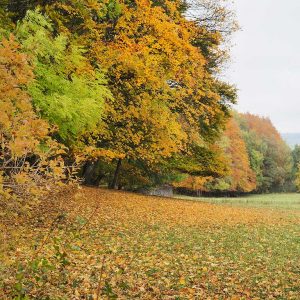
[[134, 88]]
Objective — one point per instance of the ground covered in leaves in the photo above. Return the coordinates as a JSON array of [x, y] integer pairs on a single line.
[[99, 244]]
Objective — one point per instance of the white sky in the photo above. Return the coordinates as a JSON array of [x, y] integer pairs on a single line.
[[266, 60]]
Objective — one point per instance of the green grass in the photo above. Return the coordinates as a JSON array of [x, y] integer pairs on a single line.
[[290, 201]]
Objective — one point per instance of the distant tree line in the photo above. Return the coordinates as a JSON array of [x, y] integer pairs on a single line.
[[258, 160]]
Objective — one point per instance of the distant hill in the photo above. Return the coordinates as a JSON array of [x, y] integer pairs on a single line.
[[291, 139]]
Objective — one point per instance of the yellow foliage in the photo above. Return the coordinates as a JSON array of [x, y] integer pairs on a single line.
[[160, 80]]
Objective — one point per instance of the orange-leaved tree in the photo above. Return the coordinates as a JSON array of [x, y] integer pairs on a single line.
[[241, 178], [29, 159], [270, 157]]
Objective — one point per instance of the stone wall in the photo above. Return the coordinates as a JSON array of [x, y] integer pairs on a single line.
[[162, 191]]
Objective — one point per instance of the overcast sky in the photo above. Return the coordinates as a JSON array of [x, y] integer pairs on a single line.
[[266, 60]]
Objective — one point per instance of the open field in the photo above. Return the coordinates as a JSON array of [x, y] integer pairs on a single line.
[[289, 201], [99, 244]]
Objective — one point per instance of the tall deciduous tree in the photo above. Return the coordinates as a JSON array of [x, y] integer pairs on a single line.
[[295, 174], [240, 178], [67, 91], [270, 157]]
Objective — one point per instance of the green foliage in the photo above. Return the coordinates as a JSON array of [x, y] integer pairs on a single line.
[[30, 160], [295, 159], [67, 91], [201, 161], [113, 9], [297, 178], [256, 149], [6, 24], [220, 184]]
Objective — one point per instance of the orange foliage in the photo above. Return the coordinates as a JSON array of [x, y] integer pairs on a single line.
[[25, 144], [262, 126], [270, 156], [239, 177], [194, 183], [242, 177]]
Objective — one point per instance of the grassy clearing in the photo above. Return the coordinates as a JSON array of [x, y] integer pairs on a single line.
[[115, 245], [289, 201]]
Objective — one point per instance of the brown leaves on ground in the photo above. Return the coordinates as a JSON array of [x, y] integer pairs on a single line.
[[120, 206], [99, 244]]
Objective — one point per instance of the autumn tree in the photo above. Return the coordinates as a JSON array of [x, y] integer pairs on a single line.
[[270, 157], [295, 157], [29, 159], [67, 90], [241, 177], [237, 175]]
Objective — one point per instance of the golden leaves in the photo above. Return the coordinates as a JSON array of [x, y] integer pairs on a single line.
[[181, 280], [148, 48]]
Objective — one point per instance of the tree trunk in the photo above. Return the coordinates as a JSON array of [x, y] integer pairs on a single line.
[[88, 172], [114, 183], [91, 173]]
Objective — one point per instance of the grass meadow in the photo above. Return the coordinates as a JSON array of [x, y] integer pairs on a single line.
[[98, 244], [284, 201]]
